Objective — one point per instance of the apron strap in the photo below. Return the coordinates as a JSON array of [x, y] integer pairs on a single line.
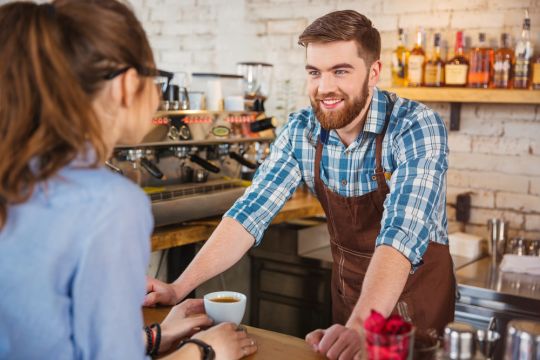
[[318, 159], [379, 170]]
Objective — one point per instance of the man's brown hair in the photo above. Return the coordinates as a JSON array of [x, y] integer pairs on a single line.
[[345, 25]]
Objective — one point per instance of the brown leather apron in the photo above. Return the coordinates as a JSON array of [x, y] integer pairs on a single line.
[[354, 224]]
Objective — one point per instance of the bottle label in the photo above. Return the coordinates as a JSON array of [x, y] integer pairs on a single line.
[[521, 69], [456, 74], [479, 78], [536, 74], [501, 74], [415, 69], [433, 75], [397, 66]]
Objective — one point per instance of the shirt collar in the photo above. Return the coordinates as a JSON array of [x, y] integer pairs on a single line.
[[377, 113]]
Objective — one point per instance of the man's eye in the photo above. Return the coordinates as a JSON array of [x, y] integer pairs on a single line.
[[341, 72], [313, 73]]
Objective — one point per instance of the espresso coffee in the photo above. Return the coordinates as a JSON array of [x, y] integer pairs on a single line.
[[225, 299], [225, 306]]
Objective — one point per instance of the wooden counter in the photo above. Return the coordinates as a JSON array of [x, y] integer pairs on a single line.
[[271, 345], [302, 204]]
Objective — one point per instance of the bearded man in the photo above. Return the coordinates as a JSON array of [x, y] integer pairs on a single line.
[[377, 164]]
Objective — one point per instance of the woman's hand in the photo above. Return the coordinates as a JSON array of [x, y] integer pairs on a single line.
[[183, 321], [158, 292], [227, 341]]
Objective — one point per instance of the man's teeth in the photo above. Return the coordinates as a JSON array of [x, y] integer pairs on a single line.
[[331, 101]]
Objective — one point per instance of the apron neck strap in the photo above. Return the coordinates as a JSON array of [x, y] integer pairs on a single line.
[[380, 137]]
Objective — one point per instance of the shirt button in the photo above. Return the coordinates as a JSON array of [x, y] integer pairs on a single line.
[[343, 182]]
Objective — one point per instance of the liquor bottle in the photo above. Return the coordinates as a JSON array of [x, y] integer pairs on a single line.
[[416, 61], [523, 55], [480, 64], [434, 69], [536, 74], [400, 58], [502, 64], [457, 67]]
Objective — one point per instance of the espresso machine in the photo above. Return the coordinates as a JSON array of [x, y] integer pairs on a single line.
[[195, 164]]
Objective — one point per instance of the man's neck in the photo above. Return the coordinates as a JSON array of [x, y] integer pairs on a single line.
[[349, 133]]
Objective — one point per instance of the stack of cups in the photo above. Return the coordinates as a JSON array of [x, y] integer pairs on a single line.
[[214, 95], [498, 230]]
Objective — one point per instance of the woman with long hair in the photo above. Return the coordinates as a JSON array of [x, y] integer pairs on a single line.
[[76, 78]]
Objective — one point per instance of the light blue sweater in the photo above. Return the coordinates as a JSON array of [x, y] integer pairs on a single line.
[[72, 269]]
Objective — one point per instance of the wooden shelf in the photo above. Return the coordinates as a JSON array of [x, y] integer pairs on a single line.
[[466, 95], [203, 112], [457, 96]]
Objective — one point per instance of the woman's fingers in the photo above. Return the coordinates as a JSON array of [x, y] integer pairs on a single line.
[[194, 306], [248, 346]]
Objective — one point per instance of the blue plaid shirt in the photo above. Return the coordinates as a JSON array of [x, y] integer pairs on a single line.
[[415, 153]]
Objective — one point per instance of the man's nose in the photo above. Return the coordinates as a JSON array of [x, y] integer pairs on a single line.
[[327, 84]]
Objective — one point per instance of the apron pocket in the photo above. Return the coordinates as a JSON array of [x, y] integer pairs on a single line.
[[351, 277]]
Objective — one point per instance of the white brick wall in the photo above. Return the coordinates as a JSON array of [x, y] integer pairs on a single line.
[[496, 153]]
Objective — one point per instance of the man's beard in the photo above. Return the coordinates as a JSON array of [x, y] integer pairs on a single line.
[[337, 119]]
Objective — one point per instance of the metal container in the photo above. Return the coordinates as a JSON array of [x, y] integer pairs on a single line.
[[519, 246], [459, 341], [498, 230], [522, 340], [487, 341]]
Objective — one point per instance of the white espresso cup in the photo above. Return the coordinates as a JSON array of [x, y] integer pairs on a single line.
[[225, 306]]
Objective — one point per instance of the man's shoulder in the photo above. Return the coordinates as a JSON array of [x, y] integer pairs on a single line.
[[411, 113], [302, 125], [302, 117]]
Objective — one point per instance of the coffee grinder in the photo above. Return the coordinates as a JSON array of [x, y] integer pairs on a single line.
[[257, 80]]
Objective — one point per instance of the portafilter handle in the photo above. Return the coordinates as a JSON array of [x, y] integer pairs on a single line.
[[263, 124], [151, 168], [242, 160], [204, 163]]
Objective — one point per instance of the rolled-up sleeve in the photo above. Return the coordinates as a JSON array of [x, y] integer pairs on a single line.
[[274, 183], [417, 185]]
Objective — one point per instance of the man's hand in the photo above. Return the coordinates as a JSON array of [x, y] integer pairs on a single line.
[[336, 342], [183, 321], [158, 292]]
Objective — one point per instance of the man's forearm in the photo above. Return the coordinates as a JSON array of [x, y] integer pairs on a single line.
[[383, 284], [227, 244]]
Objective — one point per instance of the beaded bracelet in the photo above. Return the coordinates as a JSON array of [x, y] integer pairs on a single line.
[[149, 342], [155, 348]]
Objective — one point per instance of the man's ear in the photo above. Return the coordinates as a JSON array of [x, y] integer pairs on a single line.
[[374, 73]]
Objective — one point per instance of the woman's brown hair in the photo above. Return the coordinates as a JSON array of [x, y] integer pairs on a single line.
[[345, 25], [55, 58]]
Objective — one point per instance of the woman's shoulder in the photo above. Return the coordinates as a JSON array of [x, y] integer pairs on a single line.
[[90, 185]]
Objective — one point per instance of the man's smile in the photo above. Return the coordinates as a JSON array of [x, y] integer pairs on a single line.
[[331, 103]]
